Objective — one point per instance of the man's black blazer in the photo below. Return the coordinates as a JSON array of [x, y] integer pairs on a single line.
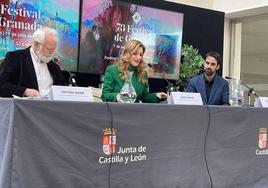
[[17, 73]]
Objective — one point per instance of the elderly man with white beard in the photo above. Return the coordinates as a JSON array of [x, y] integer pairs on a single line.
[[30, 72]]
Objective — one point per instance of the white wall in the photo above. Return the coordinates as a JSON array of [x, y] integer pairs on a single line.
[[224, 5], [226, 48], [197, 3], [233, 9], [237, 5]]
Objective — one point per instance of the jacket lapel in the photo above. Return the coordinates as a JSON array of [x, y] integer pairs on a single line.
[[214, 86], [30, 67], [50, 69], [202, 89]]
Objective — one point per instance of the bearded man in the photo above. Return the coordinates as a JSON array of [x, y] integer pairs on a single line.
[[30, 72], [214, 90]]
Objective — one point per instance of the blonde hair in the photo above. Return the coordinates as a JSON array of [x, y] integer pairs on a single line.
[[129, 48]]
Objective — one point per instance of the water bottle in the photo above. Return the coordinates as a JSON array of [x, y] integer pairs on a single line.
[[236, 93], [128, 94]]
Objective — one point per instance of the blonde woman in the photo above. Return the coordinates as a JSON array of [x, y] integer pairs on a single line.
[[131, 59]]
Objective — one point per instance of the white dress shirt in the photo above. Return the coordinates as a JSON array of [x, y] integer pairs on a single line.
[[44, 79]]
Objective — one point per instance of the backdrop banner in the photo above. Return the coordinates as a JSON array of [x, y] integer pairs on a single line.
[[6, 139], [79, 144], [237, 152]]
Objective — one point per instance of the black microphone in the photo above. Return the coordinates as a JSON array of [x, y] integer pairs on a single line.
[[250, 89], [72, 81], [170, 86], [150, 65], [229, 78]]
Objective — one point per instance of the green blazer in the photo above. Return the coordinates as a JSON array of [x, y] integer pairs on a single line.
[[112, 85]]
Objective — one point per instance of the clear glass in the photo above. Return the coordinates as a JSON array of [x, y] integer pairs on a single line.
[[236, 93], [128, 94], [257, 102]]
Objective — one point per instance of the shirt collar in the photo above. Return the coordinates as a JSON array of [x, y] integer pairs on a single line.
[[34, 56], [131, 68], [206, 81]]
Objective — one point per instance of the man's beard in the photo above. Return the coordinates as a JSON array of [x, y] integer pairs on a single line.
[[209, 72], [44, 59]]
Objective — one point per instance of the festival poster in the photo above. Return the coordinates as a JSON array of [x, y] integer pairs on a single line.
[[107, 24], [20, 18]]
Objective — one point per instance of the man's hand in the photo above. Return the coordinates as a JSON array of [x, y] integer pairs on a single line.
[[31, 93]]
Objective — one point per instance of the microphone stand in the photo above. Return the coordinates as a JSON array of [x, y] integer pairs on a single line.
[[170, 86], [250, 90], [71, 81]]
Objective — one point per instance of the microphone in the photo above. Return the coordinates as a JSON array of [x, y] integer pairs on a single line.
[[169, 86], [229, 78], [72, 81], [250, 89], [150, 65]]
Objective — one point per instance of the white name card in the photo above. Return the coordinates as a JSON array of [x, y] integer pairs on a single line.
[[67, 93], [262, 102], [185, 98]]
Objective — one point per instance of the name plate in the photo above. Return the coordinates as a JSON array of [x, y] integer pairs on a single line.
[[261, 102], [185, 98], [67, 93]]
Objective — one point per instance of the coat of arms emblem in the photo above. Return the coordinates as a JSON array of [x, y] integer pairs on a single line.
[[262, 138], [109, 141]]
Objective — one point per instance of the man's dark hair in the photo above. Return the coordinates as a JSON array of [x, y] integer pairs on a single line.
[[216, 55]]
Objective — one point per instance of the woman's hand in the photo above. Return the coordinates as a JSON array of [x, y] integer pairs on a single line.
[[161, 95]]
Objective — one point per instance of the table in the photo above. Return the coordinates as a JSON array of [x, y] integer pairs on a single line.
[[48, 144]]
